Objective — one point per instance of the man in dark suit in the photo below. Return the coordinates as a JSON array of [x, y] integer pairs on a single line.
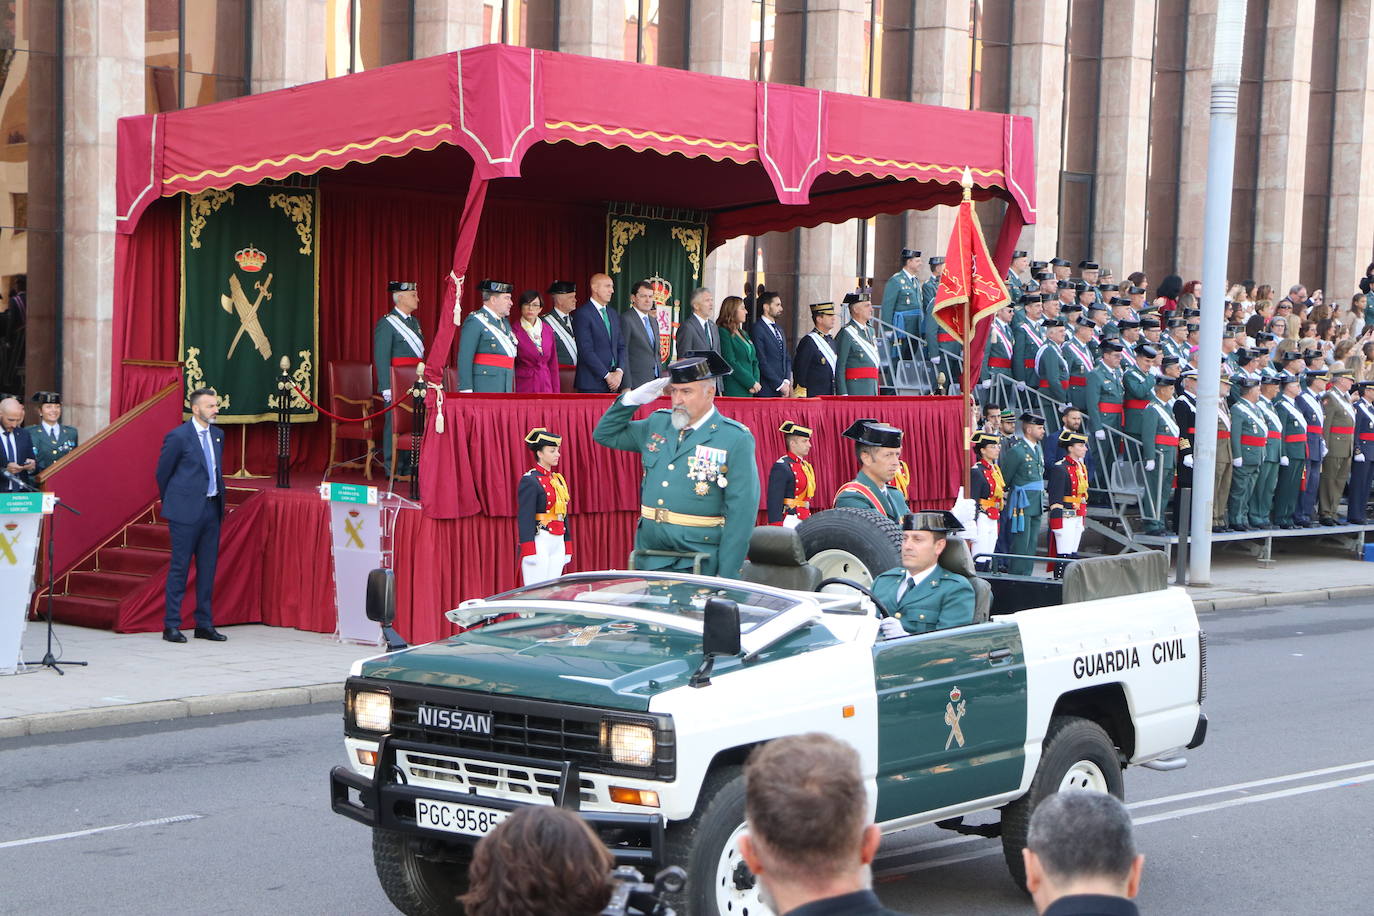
[[16, 448], [1080, 856], [601, 353], [775, 364], [697, 332], [639, 325], [190, 480]]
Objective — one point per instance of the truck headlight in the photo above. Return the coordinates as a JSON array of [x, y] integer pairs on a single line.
[[372, 710], [628, 743]]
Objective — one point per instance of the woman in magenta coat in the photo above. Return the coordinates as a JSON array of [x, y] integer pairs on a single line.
[[536, 356]]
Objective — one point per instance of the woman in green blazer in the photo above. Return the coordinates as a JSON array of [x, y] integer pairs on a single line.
[[738, 350]]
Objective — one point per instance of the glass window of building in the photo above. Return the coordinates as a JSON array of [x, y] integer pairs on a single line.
[[366, 34], [195, 52]]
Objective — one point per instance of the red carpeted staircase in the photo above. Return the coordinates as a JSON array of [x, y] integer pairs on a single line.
[[89, 595]]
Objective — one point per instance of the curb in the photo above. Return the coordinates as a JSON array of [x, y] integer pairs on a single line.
[[166, 710], [1273, 599]]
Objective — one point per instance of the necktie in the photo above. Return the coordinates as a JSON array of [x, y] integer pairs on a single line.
[[650, 330], [606, 319], [53, 432], [209, 461], [907, 586], [10, 456]]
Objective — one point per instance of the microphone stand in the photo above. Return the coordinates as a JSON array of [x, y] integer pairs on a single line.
[[48, 660]]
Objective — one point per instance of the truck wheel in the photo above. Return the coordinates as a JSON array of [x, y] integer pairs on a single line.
[[417, 885], [1078, 754], [707, 846], [851, 544]]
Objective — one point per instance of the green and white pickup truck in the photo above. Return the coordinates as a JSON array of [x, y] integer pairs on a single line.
[[636, 698]]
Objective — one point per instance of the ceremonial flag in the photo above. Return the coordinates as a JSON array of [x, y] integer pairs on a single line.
[[971, 289]]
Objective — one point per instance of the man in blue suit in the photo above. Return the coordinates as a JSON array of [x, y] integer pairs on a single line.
[[775, 364], [16, 447], [190, 480], [601, 353]]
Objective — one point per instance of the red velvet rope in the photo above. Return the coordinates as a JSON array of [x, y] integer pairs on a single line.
[[333, 416]]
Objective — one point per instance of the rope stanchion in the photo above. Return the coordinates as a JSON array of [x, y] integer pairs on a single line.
[[333, 416]]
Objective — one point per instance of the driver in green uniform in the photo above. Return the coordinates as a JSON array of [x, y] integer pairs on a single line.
[[919, 594]]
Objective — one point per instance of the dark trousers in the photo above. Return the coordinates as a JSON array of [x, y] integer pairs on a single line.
[[1307, 499], [1361, 473], [199, 539]]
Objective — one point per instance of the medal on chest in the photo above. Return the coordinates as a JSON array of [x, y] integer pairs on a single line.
[[707, 466]]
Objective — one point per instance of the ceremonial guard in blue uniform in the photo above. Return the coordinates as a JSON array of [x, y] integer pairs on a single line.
[[396, 343], [813, 366], [1293, 457], [542, 502], [1309, 402], [903, 302], [699, 496], [920, 595], [1023, 469], [486, 352], [792, 479], [1067, 491], [51, 438], [878, 447], [1362, 466]]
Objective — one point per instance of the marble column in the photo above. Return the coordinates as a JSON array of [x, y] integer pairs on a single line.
[[446, 25], [940, 77], [593, 27], [1037, 91], [1123, 139], [1351, 227], [288, 43], [104, 82], [1283, 142]]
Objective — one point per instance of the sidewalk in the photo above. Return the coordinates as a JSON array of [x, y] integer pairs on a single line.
[[140, 678]]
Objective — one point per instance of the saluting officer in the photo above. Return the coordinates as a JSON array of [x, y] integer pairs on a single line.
[[542, 502], [1023, 468], [1159, 444], [1362, 468], [878, 448], [1249, 435], [813, 366], [1293, 457], [486, 352], [51, 437], [1262, 503], [1309, 402], [699, 494], [792, 480], [921, 596], [396, 342], [1338, 429], [902, 298], [856, 366], [988, 491]]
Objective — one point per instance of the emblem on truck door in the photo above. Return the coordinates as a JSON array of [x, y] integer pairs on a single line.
[[954, 711]]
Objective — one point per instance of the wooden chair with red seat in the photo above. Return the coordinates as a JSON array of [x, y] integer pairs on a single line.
[[351, 395], [403, 417]]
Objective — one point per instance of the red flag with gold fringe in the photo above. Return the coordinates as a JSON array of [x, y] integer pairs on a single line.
[[971, 289]]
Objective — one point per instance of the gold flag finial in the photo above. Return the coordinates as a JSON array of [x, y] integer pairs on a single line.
[[966, 182]]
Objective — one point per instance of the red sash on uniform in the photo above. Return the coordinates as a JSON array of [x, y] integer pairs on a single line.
[[861, 372], [999, 362], [1255, 441], [944, 337], [1108, 407], [1169, 440], [1314, 430], [494, 359], [869, 494], [1295, 437], [1133, 404], [1343, 430], [1077, 380], [403, 361]]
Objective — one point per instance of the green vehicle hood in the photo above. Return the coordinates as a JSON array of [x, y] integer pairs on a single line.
[[570, 658]]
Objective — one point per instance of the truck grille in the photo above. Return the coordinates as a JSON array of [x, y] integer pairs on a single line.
[[493, 780]]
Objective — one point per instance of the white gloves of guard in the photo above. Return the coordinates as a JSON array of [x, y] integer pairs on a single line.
[[648, 392], [1187, 461], [1100, 435], [1359, 456], [1237, 462], [985, 383], [891, 628], [1150, 465], [1283, 461], [935, 360], [386, 395]]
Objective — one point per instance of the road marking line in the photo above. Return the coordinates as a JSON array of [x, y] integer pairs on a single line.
[[156, 822], [1253, 784], [1357, 780]]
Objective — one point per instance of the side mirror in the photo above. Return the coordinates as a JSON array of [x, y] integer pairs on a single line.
[[720, 628], [381, 596]]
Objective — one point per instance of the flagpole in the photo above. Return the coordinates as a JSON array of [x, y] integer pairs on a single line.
[[964, 388]]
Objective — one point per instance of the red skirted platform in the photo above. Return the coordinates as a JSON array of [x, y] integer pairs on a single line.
[[275, 555]]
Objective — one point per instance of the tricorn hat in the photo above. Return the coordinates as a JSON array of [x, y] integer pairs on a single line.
[[792, 428], [981, 439], [937, 260], [868, 431], [1069, 437], [539, 437], [698, 366], [1019, 254]]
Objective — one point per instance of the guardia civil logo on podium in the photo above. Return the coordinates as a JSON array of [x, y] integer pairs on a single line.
[[249, 297]]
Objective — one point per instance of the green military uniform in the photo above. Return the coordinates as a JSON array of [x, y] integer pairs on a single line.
[[1029, 339], [1266, 484], [997, 357], [863, 492], [1051, 369], [1338, 422], [1139, 389], [940, 344], [856, 357], [700, 489], [396, 340], [486, 351], [1292, 460], [1159, 439], [940, 600], [47, 448], [1023, 469], [1078, 356], [1249, 435], [1105, 394], [902, 299]]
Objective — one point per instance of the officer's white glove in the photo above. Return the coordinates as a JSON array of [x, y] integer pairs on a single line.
[[1020, 386], [935, 360], [1150, 465], [386, 395], [1237, 462], [1359, 456], [891, 628], [1187, 461], [648, 392], [1100, 435], [1283, 461], [986, 383]]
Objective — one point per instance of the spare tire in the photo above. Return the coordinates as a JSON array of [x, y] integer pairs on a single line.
[[851, 544]]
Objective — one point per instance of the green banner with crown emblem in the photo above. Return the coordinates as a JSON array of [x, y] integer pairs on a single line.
[[666, 248], [249, 298]]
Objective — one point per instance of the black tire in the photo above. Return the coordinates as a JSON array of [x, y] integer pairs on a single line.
[[1069, 742], [697, 845], [418, 885], [872, 543]]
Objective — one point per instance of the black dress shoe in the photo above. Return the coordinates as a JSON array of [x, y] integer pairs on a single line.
[[173, 635], [1330, 522], [211, 634], [1288, 527]]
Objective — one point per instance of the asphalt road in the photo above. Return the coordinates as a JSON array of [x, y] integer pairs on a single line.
[[230, 814]]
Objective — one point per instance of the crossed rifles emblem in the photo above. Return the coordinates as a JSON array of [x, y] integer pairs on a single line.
[[237, 303], [953, 713]]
